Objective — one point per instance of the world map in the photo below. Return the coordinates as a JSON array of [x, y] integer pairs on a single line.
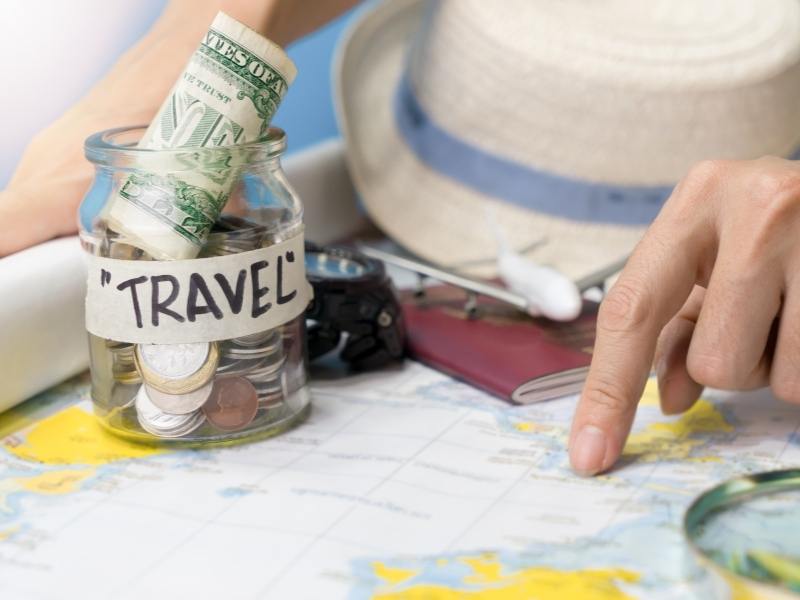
[[402, 484]]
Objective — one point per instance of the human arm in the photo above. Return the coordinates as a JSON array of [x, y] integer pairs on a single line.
[[42, 198]]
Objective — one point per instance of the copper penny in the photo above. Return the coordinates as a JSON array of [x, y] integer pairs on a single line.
[[232, 405]]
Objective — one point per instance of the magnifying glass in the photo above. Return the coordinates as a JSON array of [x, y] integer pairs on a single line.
[[745, 534]]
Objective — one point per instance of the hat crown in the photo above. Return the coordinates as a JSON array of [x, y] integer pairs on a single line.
[[572, 119], [616, 91]]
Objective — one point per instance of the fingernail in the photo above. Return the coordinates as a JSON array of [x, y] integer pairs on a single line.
[[589, 450]]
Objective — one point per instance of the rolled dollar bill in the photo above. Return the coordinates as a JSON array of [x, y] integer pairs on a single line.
[[226, 95]]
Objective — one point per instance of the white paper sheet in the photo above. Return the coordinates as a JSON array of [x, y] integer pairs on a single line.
[[42, 336], [403, 483]]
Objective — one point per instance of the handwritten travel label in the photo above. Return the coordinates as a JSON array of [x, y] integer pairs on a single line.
[[197, 300]]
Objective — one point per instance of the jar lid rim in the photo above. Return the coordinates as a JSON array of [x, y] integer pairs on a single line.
[[101, 148]]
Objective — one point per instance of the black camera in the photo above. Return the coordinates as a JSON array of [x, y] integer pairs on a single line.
[[355, 306]]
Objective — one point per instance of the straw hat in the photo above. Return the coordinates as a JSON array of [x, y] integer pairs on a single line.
[[573, 120]]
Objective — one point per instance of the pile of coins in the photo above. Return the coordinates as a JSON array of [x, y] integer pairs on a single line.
[[222, 384], [259, 358], [123, 363]]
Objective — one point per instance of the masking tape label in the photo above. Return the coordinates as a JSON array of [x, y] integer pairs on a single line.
[[198, 300]]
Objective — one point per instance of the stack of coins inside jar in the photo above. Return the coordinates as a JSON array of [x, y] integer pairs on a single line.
[[204, 390]]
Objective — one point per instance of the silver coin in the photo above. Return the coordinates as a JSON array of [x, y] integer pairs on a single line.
[[198, 420], [174, 361], [267, 369], [115, 345], [260, 353], [127, 376], [123, 395], [237, 366], [180, 404], [267, 386], [269, 337], [123, 366], [265, 346], [120, 349], [122, 251], [257, 337], [245, 353], [251, 362], [269, 396], [251, 353], [270, 400], [223, 245], [161, 424]]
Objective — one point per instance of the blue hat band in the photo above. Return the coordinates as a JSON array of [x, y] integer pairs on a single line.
[[520, 184]]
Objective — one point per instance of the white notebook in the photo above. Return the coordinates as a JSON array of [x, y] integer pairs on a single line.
[[42, 336]]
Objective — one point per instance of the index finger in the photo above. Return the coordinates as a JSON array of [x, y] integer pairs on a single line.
[[651, 289]]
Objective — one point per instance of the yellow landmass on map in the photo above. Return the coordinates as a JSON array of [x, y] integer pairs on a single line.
[[73, 436], [540, 428], [485, 569], [675, 440], [650, 394], [670, 440], [5, 534], [649, 398], [51, 483], [54, 482], [393, 575], [526, 426], [488, 582]]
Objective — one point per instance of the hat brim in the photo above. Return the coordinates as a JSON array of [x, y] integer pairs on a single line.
[[433, 215]]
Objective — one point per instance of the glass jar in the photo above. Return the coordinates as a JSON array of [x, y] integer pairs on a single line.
[[198, 350]]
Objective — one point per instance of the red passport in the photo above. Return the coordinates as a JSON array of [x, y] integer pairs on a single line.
[[502, 351]]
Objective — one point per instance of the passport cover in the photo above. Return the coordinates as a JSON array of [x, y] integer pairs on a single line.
[[502, 349]]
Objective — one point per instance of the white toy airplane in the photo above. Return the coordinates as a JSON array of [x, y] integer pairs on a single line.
[[533, 289]]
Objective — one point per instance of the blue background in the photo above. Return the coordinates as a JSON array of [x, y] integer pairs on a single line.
[[307, 111]]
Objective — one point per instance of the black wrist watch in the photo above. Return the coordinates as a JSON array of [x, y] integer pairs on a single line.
[[354, 299]]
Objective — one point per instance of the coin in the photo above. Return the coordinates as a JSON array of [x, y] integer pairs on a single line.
[[261, 339], [115, 345], [232, 405], [177, 368], [122, 251], [267, 369], [161, 424], [252, 352], [123, 366], [249, 364], [238, 366], [231, 235], [270, 399], [173, 361], [265, 347], [123, 395], [180, 404]]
